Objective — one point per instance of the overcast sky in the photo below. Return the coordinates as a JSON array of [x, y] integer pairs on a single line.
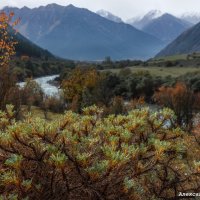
[[123, 8]]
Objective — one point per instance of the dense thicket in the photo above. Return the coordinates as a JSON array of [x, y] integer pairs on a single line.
[[87, 86]]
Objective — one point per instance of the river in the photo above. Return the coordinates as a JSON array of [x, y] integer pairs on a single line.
[[49, 89]]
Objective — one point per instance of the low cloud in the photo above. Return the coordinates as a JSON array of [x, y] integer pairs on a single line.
[[123, 8]]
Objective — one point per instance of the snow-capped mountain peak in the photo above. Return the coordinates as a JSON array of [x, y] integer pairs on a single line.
[[153, 14], [141, 21], [109, 16]]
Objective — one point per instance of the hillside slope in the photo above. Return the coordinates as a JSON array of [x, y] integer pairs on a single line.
[[28, 48], [187, 42]]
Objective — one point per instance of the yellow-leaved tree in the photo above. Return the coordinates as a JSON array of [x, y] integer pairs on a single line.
[[79, 82]]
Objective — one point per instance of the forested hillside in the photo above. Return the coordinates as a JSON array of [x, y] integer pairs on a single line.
[[25, 47]]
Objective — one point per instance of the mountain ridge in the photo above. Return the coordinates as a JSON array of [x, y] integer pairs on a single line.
[[79, 34], [166, 27], [187, 42]]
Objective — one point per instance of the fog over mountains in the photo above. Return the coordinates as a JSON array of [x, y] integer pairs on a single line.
[[143, 20], [192, 17]]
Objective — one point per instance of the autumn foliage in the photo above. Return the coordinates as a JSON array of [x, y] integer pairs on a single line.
[[182, 100], [78, 81], [80, 88], [9, 92], [7, 44]]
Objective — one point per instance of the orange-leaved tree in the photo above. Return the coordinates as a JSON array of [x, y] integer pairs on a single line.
[[7, 43], [181, 99], [8, 90]]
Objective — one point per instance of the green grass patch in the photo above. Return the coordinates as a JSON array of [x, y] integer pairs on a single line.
[[171, 58], [162, 71]]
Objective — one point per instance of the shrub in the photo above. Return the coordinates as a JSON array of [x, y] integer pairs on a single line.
[[32, 94], [135, 156], [53, 104]]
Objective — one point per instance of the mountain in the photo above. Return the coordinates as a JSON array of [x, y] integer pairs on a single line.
[[166, 27], [191, 17], [28, 48], [109, 16], [141, 21], [80, 34], [187, 42]]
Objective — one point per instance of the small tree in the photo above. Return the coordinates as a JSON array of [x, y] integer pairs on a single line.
[[32, 94], [80, 83]]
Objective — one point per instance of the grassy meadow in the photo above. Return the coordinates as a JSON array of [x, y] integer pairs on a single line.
[[162, 71]]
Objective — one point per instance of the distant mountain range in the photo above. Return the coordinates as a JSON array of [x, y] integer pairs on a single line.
[[80, 34], [187, 42], [165, 27], [109, 16]]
